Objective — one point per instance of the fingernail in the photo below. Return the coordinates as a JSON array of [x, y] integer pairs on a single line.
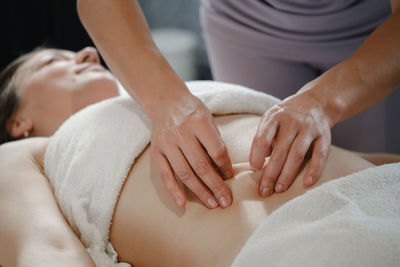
[[279, 188], [223, 202], [228, 175], [309, 180], [264, 192], [212, 203]]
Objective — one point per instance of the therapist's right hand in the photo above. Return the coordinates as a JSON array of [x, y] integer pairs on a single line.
[[186, 145]]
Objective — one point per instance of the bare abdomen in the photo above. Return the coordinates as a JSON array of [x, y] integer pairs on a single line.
[[149, 230]]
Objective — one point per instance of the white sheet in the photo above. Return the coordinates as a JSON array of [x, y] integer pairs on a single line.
[[353, 221]]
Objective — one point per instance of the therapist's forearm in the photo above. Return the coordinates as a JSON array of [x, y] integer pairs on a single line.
[[365, 78], [120, 32]]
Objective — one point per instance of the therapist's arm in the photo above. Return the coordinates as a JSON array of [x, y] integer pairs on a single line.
[[367, 77], [302, 122], [184, 137]]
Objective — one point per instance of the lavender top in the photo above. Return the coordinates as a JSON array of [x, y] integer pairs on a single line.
[[318, 27]]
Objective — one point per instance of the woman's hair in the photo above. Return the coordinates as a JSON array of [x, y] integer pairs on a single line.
[[9, 99]]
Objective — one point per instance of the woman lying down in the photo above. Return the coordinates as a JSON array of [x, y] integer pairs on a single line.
[[91, 193]]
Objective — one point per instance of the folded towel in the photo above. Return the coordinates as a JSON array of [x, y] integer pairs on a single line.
[[89, 157], [352, 221]]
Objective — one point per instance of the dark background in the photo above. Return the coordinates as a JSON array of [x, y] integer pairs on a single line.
[[26, 24], [29, 24]]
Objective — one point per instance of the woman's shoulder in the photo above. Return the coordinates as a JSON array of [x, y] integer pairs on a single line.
[[26, 149]]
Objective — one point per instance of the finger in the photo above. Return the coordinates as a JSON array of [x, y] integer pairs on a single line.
[[199, 162], [294, 160], [261, 146], [276, 162], [168, 178], [209, 136], [318, 160], [184, 173]]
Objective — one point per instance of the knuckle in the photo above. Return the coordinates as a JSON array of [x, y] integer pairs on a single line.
[[299, 122], [201, 168], [184, 175], [278, 157], [308, 123], [298, 155], [322, 153], [269, 182], [219, 153], [265, 116], [166, 179], [177, 132], [268, 116], [293, 117], [277, 115], [285, 180], [164, 176], [260, 141], [274, 117], [201, 118], [274, 109], [264, 178]]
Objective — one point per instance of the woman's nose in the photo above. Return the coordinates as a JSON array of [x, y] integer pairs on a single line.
[[87, 54]]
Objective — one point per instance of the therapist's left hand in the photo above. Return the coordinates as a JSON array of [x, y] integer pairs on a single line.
[[287, 132]]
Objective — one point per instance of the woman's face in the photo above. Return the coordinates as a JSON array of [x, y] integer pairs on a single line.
[[54, 84]]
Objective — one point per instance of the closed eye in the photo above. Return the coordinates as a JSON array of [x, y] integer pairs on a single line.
[[46, 63], [53, 56], [52, 60]]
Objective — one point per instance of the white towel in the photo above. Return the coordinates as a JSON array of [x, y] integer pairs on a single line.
[[89, 157], [352, 221]]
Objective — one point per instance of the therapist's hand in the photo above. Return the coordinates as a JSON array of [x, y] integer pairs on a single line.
[[186, 145], [286, 133]]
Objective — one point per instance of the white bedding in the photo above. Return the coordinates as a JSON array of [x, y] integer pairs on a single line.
[[352, 221]]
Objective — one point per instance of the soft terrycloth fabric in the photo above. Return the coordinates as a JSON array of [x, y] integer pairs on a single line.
[[89, 157], [352, 221]]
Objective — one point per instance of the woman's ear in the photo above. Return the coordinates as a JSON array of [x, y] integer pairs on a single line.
[[19, 125]]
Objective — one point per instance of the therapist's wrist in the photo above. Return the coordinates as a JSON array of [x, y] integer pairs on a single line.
[[334, 92], [328, 104], [168, 90]]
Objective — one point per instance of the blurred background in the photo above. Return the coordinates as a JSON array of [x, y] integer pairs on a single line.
[[175, 24]]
